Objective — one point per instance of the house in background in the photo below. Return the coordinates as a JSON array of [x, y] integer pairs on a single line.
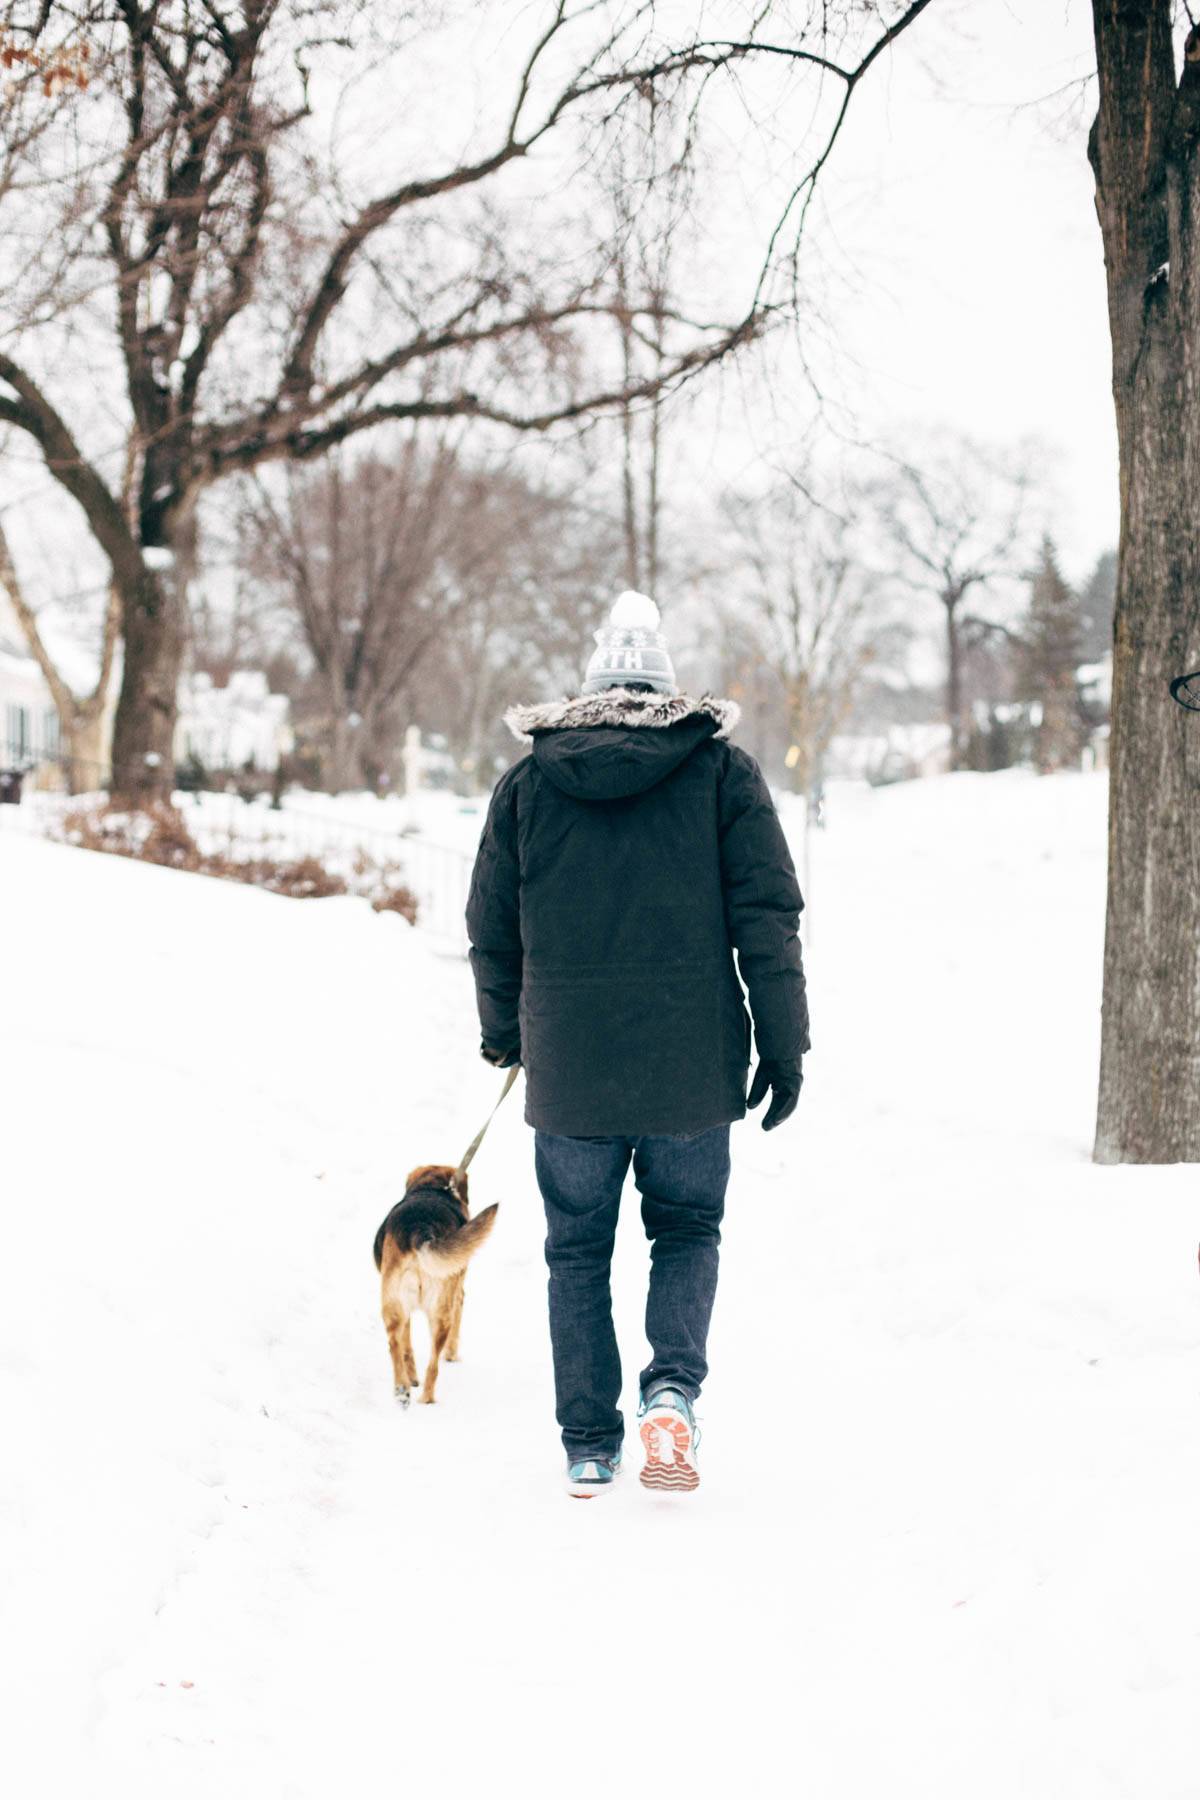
[[28, 717], [241, 725], [236, 726]]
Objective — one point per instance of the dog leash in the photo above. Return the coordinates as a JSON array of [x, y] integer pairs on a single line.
[[473, 1146]]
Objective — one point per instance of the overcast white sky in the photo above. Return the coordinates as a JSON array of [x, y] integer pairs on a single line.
[[954, 253], [954, 260], [959, 225]]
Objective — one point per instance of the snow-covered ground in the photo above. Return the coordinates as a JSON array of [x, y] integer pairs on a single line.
[[427, 839], [945, 1543]]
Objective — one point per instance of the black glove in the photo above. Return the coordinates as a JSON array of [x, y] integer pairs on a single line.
[[500, 1059], [785, 1081]]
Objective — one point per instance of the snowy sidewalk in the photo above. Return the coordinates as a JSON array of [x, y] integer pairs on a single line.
[[944, 1542]]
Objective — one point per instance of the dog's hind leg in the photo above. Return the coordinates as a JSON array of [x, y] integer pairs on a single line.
[[410, 1361], [400, 1287], [440, 1333], [456, 1306], [404, 1369]]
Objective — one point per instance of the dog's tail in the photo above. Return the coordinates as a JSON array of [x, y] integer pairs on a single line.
[[450, 1255]]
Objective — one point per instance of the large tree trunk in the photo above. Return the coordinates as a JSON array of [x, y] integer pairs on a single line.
[[1143, 150], [154, 611], [154, 623]]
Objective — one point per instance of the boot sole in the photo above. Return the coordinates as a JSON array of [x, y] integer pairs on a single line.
[[667, 1440]]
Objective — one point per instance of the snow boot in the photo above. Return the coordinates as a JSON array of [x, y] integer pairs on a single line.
[[669, 1436], [590, 1475]]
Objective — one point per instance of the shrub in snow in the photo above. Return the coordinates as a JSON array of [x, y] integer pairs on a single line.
[[305, 878], [383, 886], [153, 833], [397, 899], [157, 833]]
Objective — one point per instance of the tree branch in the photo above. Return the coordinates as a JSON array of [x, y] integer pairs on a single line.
[[33, 413], [851, 78], [61, 694], [274, 437], [298, 376], [241, 282]]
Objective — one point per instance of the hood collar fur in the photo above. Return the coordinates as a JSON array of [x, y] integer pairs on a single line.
[[620, 706]]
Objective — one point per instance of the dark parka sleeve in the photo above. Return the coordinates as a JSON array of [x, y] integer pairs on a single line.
[[762, 909], [494, 922]]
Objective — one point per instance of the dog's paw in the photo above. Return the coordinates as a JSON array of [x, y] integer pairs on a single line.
[[403, 1397]]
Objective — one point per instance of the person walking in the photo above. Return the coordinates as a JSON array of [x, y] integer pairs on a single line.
[[622, 863]]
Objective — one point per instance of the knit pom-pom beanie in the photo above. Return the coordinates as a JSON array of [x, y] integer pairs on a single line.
[[631, 650]]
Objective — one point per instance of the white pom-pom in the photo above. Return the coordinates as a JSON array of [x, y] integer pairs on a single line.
[[634, 612]]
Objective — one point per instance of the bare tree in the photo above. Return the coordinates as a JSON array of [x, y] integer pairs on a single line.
[[373, 557], [813, 609], [529, 607], [243, 631], [1145, 153], [954, 527], [203, 259], [653, 191], [422, 589]]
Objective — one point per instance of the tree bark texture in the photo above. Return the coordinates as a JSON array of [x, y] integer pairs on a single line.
[[1143, 150], [143, 751]]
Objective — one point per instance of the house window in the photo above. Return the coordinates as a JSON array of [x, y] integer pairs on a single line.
[[51, 743], [17, 735]]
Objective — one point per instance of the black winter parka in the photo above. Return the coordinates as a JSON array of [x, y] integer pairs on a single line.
[[620, 866]]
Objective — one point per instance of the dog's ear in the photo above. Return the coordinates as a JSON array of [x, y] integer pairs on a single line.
[[458, 1184]]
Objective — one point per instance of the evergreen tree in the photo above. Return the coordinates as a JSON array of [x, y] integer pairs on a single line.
[[1097, 601], [1051, 652]]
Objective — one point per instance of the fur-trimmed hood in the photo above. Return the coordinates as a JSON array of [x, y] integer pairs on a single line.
[[619, 742], [620, 706]]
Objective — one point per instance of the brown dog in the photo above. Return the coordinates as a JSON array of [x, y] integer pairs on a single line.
[[422, 1250]]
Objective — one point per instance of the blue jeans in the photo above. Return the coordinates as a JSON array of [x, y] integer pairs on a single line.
[[682, 1182]]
